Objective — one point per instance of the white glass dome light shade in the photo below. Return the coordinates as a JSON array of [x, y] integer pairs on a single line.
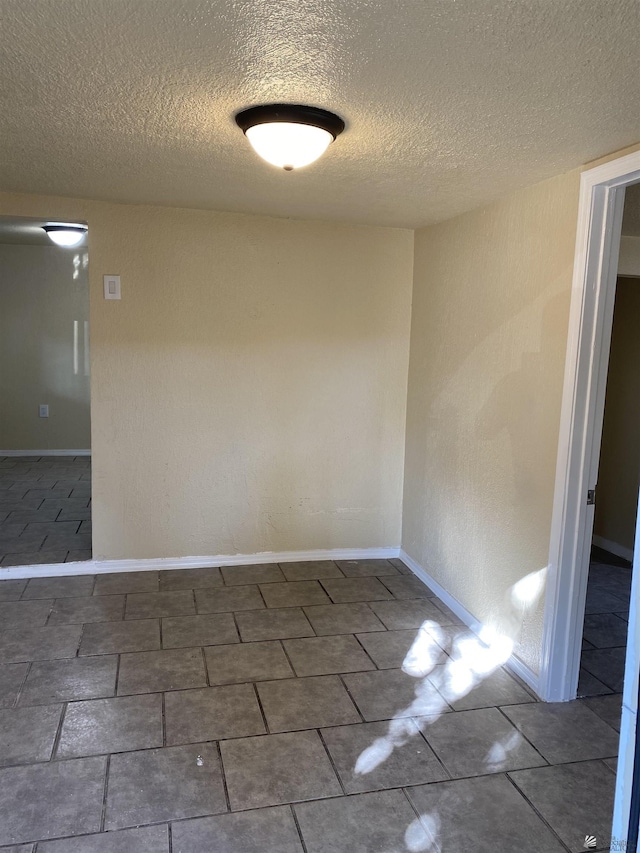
[[287, 144], [65, 238], [289, 135], [65, 235]]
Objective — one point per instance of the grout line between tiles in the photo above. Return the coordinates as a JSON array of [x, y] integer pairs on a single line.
[[271, 734], [223, 775], [82, 624], [424, 737], [103, 815], [331, 761], [609, 768], [237, 627], [46, 621], [264, 600], [438, 758], [22, 684], [357, 639], [522, 734], [299, 830], [289, 661], [163, 716], [206, 668], [415, 810], [538, 813], [56, 740], [115, 686], [264, 716], [355, 704]]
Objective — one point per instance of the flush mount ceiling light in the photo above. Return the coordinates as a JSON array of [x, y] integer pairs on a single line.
[[64, 234], [289, 135]]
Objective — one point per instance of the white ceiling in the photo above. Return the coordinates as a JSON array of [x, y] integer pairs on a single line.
[[448, 104]]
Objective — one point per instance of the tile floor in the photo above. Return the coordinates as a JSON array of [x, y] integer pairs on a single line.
[[263, 709], [604, 637], [45, 509]]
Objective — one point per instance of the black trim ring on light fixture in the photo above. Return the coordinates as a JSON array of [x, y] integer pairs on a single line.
[[79, 229], [293, 113]]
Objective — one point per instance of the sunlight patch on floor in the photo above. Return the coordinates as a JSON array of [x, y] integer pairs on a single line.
[[471, 659]]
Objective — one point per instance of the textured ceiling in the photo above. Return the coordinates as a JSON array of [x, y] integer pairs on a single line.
[[448, 104]]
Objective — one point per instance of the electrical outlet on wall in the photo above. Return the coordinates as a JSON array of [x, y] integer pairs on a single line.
[[44, 410]]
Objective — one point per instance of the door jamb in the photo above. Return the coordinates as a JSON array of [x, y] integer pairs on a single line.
[[599, 229]]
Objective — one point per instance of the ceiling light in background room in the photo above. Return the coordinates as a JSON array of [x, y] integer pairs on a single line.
[[289, 135], [65, 234]]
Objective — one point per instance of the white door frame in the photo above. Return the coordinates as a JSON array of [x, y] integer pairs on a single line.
[[627, 770], [600, 210]]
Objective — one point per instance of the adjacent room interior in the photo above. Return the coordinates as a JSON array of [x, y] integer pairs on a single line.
[[45, 424], [616, 498]]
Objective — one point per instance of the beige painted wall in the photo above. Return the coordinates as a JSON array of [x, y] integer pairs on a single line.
[[248, 392], [488, 344], [39, 301], [619, 470], [629, 260]]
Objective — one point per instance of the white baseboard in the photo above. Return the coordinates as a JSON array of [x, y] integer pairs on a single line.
[[94, 567], [45, 453], [514, 664], [613, 548]]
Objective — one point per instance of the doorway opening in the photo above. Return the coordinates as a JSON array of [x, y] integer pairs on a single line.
[[591, 324], [45, 427], [609, 585]]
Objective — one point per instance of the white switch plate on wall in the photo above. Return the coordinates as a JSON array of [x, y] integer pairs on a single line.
[[43, 410], [111, 286]]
